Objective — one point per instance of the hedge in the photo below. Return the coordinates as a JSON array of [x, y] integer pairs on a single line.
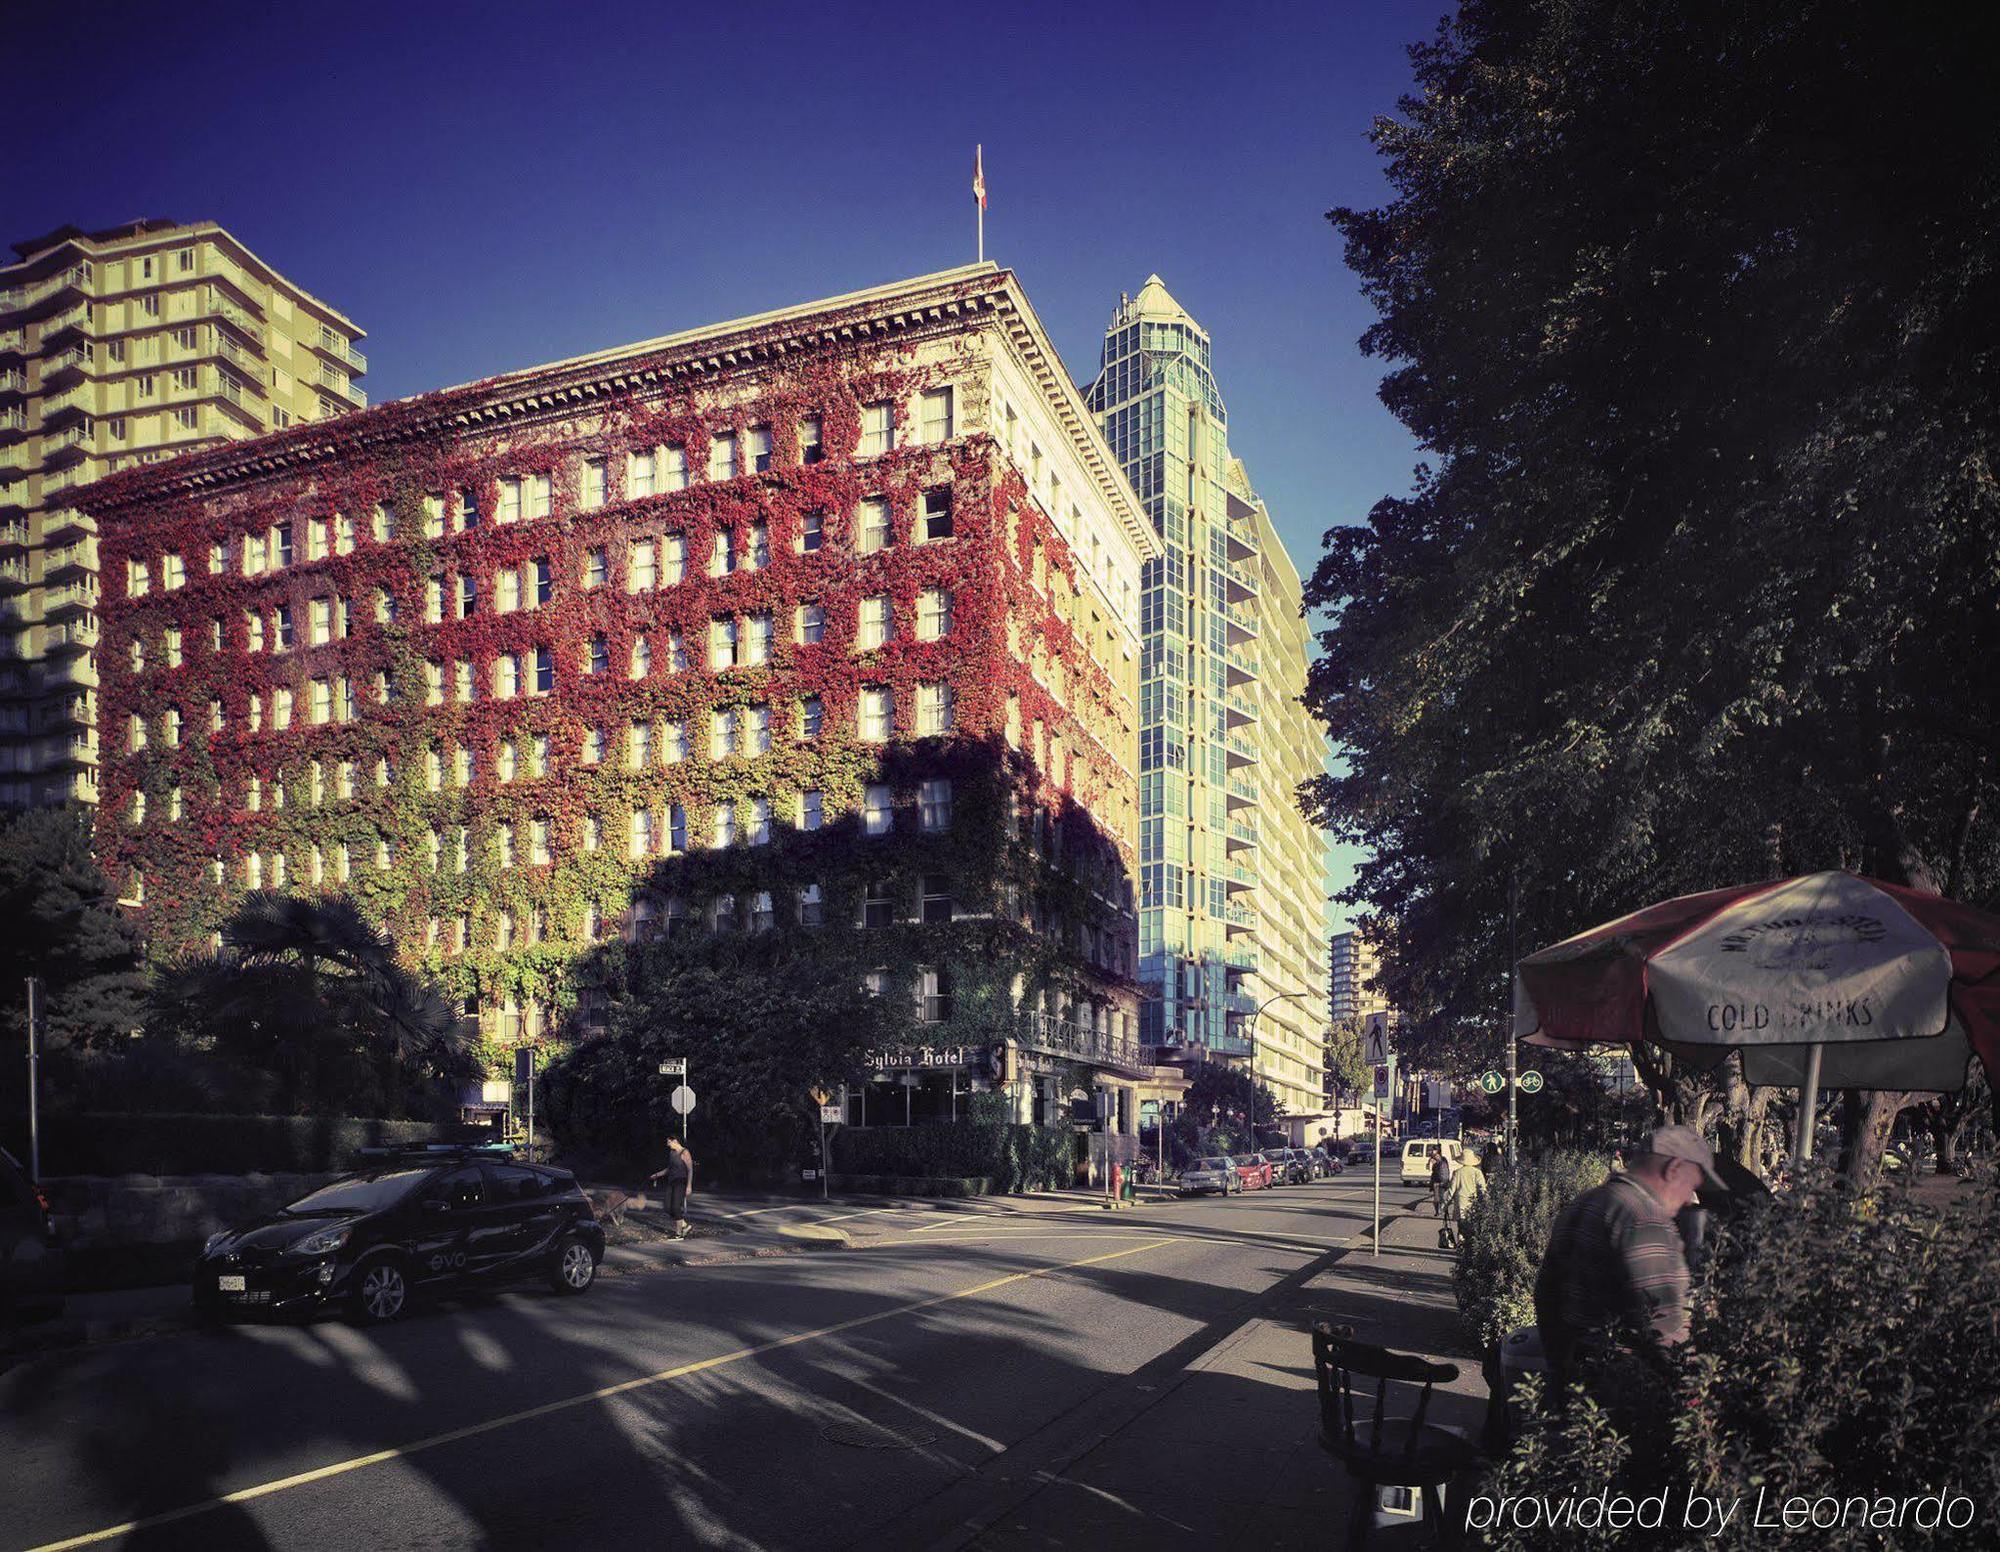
[[1505, 1233], [913, 1185], [112, 1144], [1013, 1158]]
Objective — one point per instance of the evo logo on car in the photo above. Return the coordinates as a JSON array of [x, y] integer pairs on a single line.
[[441, 1261]]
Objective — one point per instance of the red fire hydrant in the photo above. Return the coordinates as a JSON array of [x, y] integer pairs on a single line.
[[1117, 1182]]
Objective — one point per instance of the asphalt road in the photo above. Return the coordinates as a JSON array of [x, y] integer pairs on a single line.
[[857, 1397]]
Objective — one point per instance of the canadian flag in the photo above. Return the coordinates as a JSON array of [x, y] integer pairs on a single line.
[[979, 175]]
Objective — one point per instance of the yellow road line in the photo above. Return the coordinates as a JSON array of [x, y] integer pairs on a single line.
[[491, 1425]]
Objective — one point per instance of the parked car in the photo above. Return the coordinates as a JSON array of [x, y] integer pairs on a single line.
[[1417, 1155], [418, 1221], [1254, 1171], [1290, 1166], [1210, 1174], [31, 1262]]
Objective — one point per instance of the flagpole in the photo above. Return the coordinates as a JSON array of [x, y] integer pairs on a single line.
[[982, 233]]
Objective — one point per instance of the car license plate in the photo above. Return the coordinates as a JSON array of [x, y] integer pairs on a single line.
[[230, 1282]]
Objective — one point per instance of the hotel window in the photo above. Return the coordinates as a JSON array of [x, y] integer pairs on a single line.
[[503, 937], [876, 626], [433, 600], [433, 515], [641, 838], [812, 713], [640, 575], [877, 811], [721, 643], [811, 624], [812, 448], [812, 906], [461, 673], [253, 870], [461, 766], [673, 559], [281, 709], [933, 985], [762, 917], [510, 502], [385, 606], [724, 832], [253, 631], [538, 495], [677, 468], [757, 729], [595, 567], [506, 590], [934, 710], [597, 656], [316, 539], [721, 734], [343, 785], [319, 621], [677, 658], [722, 456], [138, 810], [760, 449], [639, 474], [319, 708], [545, 670], [506, 676], [878, 909], [218, 559], [468, 596], [677, 829], [937, 513], [343, 534], [757, 646], [933, 614], [592, 494], [722, 558], [878, 428], [724, 917], [593, 746], [638, 746], [759, 553], [135, 654], [385, 521], [253, 794], [937, 415], [256, 711], [215, 634], [759, 831], [642, 657], [433, 774], [538, 843], [468, 507], [934, 805], [538, 756], [674, 745], [812, 532], [877, 716], [593, 832], [505, 765], [1013, 722], [544, 584], [874, 530], [283, 620], [812, 810], [504, 845]]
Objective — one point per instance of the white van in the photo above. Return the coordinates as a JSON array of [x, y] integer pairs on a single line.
[[1417, 1154]]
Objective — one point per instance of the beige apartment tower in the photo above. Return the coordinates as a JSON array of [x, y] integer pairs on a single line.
[[126, 345]]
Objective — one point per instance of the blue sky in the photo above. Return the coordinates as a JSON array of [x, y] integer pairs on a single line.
[[489, 186]]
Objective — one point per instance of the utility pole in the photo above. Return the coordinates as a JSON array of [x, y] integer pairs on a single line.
[[1513, 1045], [34, 1080]]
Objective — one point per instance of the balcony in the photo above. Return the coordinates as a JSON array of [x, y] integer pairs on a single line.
[[238, 357], [13, 536], [219, 306], [1240, 751], [1239, 918], [1235, 876], [79, 635], [71, 558], [1234, 1002], [69, 479], [13, 342], [1059, 1037], [336, 347], [13, 382], [13, 460], [1237, 582], [1241, 539], [333, 385], [1242, 624], [13, 575], [1238, 793], [74, 753], [13, 423], [1238, 668], [65, 367], [1239, 835], [74, 320], [59, 521], [72, 598], [72, 282], [1241, 960], [356, 361], [65, 446], [1238, 710], [63, 406]]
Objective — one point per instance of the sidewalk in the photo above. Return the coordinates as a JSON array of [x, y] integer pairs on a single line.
[[1226, 1452]]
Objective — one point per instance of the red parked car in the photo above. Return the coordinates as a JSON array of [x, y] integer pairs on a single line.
[[1254, 1170]]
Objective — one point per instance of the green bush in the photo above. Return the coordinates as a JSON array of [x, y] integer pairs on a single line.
[[1843, 1353], [1505, 1234], [1014, 1158], [115, 1144]]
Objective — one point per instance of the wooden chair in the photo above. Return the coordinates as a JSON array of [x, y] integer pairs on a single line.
[[1384, 1446]]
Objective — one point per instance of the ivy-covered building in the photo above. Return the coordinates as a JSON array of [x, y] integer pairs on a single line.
[[820, 624]]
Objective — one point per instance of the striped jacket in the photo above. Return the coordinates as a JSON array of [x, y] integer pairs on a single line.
[[1615, 1260]]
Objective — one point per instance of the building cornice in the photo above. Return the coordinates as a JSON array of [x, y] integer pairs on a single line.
[[928, 305]]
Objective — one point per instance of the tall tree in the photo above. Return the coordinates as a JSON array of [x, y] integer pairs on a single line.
[[63, 926], [1693, 309]]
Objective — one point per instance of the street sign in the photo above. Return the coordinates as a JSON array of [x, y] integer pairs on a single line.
[[1382, 1080], [1376, 1049], [1491, 1082], [1530, 1082], [674, 1067], [831, 1114], [682, 1099], [524, 1063]]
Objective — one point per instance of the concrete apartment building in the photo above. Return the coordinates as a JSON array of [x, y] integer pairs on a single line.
[[819, 624], [124, 346], [1354, 962], [1233, 888]]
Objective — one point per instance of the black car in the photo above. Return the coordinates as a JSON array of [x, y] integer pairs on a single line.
[[414, 1222]]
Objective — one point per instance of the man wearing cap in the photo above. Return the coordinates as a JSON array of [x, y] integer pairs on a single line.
[[1616, 1259]]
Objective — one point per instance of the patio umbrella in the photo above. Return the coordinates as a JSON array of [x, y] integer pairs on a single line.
[[1829, 979]]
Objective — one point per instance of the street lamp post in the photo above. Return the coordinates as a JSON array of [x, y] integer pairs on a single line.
[[1250, 1105]]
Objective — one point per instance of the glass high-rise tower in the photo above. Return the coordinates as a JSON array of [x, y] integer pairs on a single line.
[[1232, 877]]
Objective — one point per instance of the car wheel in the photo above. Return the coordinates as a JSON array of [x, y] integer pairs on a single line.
[[381, 1292], [574, 1268]]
